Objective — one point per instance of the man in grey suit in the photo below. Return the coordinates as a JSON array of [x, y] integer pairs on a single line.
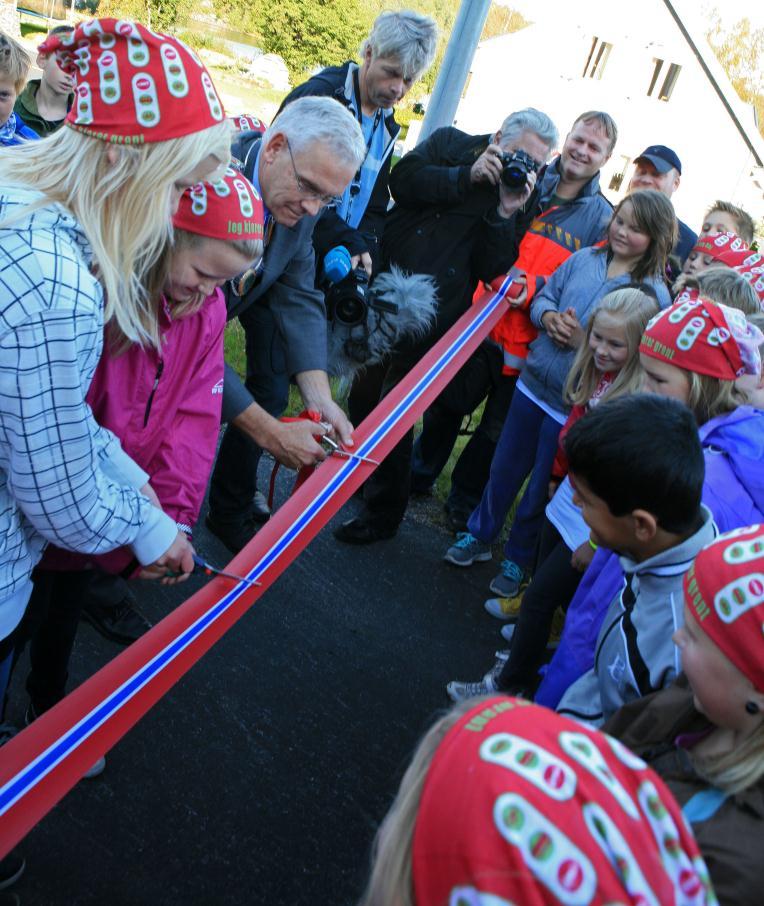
[[302, 163]]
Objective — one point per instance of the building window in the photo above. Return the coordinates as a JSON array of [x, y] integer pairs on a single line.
[[599, 53], [617, 178], [656, 72], [669, 81]]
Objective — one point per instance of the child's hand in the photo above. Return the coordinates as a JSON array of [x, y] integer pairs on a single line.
[[555, 326], [576, 334]]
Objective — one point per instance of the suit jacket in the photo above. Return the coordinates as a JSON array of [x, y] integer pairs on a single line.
[[286, 284]]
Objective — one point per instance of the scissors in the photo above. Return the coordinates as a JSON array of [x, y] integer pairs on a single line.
[[203, 566]]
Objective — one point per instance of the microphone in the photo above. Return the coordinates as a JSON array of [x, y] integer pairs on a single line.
[[337, 264]]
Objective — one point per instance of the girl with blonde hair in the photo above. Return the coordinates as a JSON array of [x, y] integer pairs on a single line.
[[505, 802], [705, 734], [606, 365], [84, 216], [164, 406]]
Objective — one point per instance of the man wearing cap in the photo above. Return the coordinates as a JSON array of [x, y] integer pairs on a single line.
[[306, 158], [658, 167]]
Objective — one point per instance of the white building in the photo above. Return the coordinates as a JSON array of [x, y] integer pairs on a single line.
[[653, 71]]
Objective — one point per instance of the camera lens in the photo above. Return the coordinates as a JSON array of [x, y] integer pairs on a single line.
[[514, 175], [349, 310]]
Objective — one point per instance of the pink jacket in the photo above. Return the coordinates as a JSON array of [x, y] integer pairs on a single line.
[[165, 409]]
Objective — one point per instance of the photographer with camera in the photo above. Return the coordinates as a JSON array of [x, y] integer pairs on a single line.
[[463, 203], [399, 49], [305, 159], [574, 214]]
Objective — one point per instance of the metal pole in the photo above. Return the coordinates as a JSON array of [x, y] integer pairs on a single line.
[[456, 65]]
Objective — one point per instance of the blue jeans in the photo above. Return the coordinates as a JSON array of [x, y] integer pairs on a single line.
[[527, 446]]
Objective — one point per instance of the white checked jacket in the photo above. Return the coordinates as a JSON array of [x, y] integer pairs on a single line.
[[62, 477]]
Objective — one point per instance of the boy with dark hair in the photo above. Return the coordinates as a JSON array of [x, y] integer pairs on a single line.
[[14, 69], [44, 102], [637, 469]]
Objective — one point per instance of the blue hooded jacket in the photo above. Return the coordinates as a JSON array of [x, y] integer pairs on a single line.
[[733, 489]]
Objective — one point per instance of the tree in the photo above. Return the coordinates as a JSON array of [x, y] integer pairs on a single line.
[[159, 15], [740, 50], [311, 33]]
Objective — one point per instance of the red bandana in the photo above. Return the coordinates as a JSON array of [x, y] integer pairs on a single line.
[[524, 806], [230, 208], [716, 244], [247, 123], [701, 336], [133, 85], [724, 589], [749, 265]]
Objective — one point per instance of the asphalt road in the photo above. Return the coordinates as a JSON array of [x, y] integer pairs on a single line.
[[262, 776]]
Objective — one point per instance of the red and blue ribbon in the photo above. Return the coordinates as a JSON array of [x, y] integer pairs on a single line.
[[43, 762]]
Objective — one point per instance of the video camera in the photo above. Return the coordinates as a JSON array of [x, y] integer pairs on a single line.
[[347, 292], [517, 166]]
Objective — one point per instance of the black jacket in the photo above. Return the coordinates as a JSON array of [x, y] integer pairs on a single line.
[[331, 230], [446, 226]]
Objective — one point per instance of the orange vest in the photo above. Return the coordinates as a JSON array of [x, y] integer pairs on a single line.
[[543, 249]]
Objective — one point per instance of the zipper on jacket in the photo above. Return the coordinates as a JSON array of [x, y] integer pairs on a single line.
[[157, 376]]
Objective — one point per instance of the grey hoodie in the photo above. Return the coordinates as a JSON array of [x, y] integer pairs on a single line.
[[635, 654]]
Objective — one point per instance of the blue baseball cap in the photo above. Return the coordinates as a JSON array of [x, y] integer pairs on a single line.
[[662, 158]]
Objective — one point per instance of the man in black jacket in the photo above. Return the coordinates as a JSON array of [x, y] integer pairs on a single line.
[[456, 220], [399, 49]]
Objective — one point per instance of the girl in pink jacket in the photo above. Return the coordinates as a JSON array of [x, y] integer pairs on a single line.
[[163, 406]]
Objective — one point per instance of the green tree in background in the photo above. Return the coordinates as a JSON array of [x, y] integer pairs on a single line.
[[311, 33], [159, 15], [740, 50]]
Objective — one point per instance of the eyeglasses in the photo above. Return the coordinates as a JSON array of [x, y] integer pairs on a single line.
[[306, 189]]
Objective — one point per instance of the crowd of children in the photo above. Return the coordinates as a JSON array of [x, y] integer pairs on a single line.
[[638, 425]]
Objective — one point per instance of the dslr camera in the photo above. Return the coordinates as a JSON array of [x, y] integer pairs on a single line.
[[516, 168], [347, 293]]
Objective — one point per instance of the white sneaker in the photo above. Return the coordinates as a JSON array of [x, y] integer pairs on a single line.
[[458, 692]]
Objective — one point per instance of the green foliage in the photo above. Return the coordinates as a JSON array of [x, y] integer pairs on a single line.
[[159, 15], [311, 33], [740, 50], [203, 41]]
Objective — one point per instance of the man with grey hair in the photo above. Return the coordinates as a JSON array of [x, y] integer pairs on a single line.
[[574, 215], [460, 219], [302, 163], [400, 48]]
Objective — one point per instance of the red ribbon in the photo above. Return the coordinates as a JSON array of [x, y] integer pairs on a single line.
[[43, 762]]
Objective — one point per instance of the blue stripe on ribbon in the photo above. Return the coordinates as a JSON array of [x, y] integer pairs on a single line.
[[33, 773]]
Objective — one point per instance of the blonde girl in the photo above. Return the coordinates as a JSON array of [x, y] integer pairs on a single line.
[[705, 734], [606, 365], [84, 215], [504, 802]]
